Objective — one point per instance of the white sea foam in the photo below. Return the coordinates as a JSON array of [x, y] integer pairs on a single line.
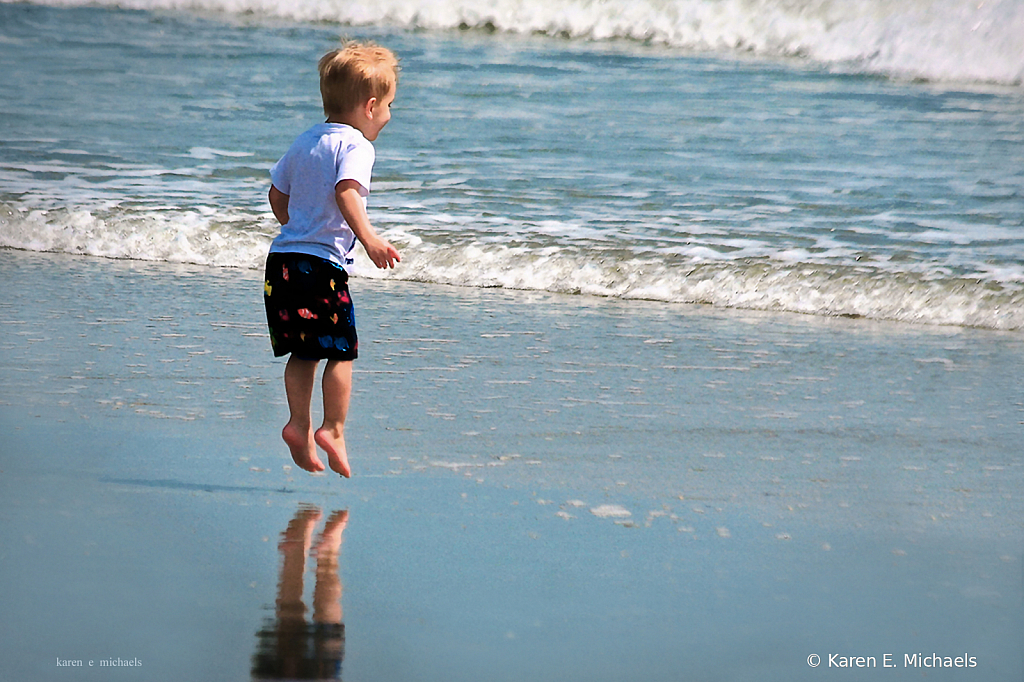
[[761, 284], [202, 236], [611, 511], [207, 236], [973, 40]]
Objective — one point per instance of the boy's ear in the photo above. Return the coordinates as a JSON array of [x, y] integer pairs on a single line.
[[370, 104]]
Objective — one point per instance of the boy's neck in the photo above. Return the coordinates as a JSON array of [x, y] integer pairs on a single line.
[[352, 120]]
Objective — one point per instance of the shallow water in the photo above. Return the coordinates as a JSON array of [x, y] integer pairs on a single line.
[[546, 486]]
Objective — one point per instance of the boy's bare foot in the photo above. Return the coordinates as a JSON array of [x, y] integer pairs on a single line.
[[333, 443], [303, 447]]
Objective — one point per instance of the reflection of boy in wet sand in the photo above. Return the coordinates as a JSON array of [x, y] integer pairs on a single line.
[[288, 646]]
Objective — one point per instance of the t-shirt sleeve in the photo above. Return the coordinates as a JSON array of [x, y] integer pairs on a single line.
[[279, 175], [356, 163]]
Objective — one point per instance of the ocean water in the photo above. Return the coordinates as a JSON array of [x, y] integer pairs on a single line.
[[861, 158]]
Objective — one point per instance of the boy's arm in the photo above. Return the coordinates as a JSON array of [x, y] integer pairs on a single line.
[[350, 203], [279, 204]]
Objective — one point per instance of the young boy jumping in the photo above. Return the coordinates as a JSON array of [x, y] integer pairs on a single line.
[[319, 195]]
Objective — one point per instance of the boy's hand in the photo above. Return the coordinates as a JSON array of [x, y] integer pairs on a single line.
[[382, 253]]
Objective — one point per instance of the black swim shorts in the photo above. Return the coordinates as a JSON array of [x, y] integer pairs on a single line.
[[309, 309]]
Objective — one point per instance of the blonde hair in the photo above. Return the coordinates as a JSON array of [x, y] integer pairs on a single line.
[[349, 77]]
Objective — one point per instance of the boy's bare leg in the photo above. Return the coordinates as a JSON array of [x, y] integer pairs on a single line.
[[337, 385], [299, 376]]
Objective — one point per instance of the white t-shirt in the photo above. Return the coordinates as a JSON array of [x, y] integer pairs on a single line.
[[318, 160]]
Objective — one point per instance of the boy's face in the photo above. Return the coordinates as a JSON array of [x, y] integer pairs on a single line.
[[380, 114]]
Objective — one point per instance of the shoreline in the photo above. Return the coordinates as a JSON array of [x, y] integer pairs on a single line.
[[363, 266]]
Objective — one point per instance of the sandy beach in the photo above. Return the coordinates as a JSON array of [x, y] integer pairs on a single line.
[[545, 487]]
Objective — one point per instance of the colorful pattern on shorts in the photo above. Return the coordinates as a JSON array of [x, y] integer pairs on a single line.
[[309, 308]]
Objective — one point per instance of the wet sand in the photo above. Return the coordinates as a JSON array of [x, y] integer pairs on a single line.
[[545, 487]]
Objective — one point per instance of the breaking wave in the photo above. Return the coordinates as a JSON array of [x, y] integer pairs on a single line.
[[959, 40], [211, 237]]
